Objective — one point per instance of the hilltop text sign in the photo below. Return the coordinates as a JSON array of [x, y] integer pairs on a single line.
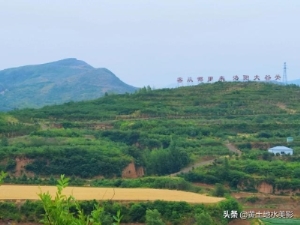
[[277, 77]]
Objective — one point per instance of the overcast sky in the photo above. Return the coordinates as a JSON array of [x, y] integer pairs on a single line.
[[154, 42]]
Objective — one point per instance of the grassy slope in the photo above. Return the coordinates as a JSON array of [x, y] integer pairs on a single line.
[[228, 101], [199, 118]]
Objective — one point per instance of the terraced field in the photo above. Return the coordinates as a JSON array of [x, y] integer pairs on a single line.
[[19, 192]]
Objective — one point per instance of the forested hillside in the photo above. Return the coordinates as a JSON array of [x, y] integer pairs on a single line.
[[56, 83], [159, 130], [220, 100]]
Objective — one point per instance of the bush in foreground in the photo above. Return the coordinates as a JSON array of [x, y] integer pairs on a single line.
[[58, 210]]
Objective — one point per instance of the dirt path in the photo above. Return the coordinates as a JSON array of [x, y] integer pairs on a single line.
[[191, 167], [230, 147]]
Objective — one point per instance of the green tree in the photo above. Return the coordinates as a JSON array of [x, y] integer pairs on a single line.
[[296, 173], [11, 165], [4, 141], [229, 205], [219, 190], [149, 88], [203, 219], [153, 217], [266, 155], [224, 172], [2, 176], [58, 210], [137, 212]]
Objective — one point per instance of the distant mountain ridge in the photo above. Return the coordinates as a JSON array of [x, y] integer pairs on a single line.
[[56, 83], [297, 82]]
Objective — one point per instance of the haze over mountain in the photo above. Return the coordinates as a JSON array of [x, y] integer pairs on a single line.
[[55, 83], [297, 82]]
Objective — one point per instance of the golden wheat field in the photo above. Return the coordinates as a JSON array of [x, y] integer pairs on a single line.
[[20, 192]]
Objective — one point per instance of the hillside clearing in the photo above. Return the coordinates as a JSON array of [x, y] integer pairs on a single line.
[[21, 192]]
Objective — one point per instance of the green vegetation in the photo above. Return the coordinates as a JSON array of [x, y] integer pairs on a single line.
[[280, 221], [244, 101], [249, 171], [55, 83], [59, 209], [148, 182], [66, 210], [2, 177], [219, 190], [153, 217], [172, 183], [161, 131], [176, 213]]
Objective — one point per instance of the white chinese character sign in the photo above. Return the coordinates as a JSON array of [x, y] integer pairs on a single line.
[[277, 77], [200, 79], [256, 77], [179, 79], [190, 80], [222, 79], [210, 79], [267, 77], [245, 78]]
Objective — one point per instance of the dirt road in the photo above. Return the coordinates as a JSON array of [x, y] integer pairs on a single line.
[[190, 168], [230, 147]]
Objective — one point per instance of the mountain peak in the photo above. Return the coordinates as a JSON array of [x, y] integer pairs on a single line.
[[70, 62], [56, 83]]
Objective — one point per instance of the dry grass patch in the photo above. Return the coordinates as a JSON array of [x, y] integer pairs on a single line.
[[20, 192]]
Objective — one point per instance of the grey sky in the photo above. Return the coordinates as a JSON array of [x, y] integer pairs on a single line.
[[154, 42]]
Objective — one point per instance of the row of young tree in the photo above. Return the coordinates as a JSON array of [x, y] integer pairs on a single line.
[[249, 173], [226, 99], [85, 164], [107, 155], [112, 151], [173, 183]]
